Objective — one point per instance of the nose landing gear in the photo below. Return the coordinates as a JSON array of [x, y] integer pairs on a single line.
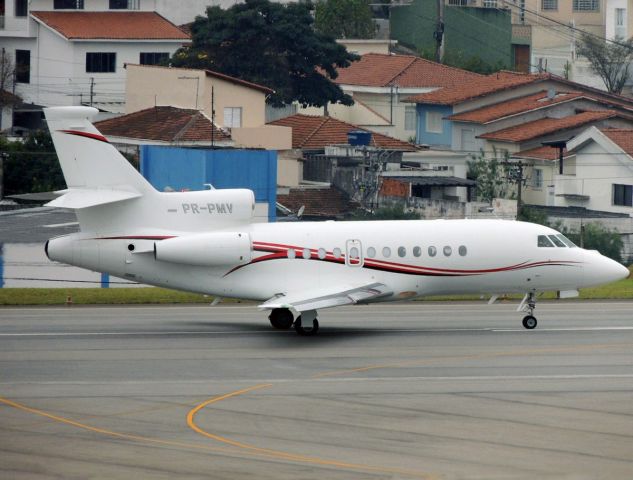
[[528, 304]]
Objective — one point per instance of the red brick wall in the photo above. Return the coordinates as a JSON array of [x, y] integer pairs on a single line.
[[394, 188]]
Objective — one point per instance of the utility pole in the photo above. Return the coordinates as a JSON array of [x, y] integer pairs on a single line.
[[92, 90], [212, 117], [438, 34], [515, 175]]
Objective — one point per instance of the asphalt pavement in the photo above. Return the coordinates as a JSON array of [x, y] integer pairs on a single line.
[[412, 390]]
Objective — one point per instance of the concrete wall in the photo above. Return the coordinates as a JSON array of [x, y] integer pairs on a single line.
[[58, 68], [187, 88], [468, 32]]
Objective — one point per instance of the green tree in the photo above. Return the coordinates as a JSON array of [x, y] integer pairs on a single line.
[[344, 18], [272, 44], [597, 237], [490, 174], [31, 166], [609, 60]]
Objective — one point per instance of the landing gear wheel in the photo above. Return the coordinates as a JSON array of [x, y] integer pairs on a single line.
[[309, 331], [529, 322], [281, 318]]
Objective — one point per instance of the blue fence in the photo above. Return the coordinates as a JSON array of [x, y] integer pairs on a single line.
[[189, 169]]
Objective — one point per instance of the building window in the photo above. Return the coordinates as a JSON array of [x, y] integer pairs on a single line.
[[537, 178], [100, 62], [21, 8], [549, 4], [490, 3], [586, 5], [434, 122], [458, 3], [409, 117], [153, 58], [23, 66], [620, 23], [623, 195], [233, 117], [68, 5], [124, 4]]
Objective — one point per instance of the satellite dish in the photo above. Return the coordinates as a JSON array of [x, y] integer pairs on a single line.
[[300, 211]]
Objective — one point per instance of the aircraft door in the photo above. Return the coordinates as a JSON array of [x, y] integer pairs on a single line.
[[353, 253]]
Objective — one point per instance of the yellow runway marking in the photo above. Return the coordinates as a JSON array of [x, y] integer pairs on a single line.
[[125, 436], [285, 455], [280, 455]]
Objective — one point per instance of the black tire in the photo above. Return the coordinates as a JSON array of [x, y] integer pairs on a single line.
[[281, 318], [306, 332], [529, 322]]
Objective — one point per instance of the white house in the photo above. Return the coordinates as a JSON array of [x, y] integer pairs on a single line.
[[71, 52]]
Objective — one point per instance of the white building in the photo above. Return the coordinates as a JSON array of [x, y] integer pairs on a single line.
[[72, 52]]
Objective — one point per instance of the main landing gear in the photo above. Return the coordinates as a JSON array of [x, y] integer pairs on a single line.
[[528, 304], [283, 319]]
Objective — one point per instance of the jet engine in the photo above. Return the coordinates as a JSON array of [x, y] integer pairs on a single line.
[[206, 249]]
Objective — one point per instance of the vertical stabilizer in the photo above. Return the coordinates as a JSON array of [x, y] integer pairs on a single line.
[[88, 160]]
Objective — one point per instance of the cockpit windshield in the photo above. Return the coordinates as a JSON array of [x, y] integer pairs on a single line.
[[550, 241]]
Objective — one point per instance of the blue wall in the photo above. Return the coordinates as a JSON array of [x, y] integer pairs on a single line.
[[422, 136], [189, 168]]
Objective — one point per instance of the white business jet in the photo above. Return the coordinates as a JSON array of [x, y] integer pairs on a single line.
[[206, 242]]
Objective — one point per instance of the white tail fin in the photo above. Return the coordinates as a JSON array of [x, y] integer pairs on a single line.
[[88, 160], [110, 196]]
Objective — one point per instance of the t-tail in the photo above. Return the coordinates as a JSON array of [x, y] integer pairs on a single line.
[[110, 197]]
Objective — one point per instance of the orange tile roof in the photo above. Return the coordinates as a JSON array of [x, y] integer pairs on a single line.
[[111, 25], [380, 70], [530, 130], [541, 153], [315, 133], [164, 124], [622, 137], [512, 107], [477, 88]]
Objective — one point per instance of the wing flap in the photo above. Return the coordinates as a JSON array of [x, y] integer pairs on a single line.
[[327, 298], [83, 198]]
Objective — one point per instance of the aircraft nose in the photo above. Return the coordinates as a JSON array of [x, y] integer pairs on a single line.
[[613, 270], [600, 269]]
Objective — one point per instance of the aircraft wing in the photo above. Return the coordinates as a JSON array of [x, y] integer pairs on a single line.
[[327, 297]]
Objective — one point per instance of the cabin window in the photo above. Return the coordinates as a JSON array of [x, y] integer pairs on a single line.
[[566, 241], [306, 253], [543, 241], [386, 252], [402, 251], [447, 251], [556, 241], [462, 250], [417, 251], [336, 252], [432, 251], [322, 253], [371, 252], [291, 253], [354, 253]]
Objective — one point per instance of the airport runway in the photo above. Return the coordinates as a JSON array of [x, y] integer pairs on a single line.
[[396, 391]]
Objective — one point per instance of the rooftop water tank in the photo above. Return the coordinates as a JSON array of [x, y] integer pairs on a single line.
[[359, 137]]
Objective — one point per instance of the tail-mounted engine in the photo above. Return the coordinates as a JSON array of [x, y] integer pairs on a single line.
[[206, 249]]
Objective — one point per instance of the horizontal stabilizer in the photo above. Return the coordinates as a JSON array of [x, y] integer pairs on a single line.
[[78, 198], [326, 298]]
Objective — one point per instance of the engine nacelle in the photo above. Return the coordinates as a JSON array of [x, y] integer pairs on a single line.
[[206, 249]]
